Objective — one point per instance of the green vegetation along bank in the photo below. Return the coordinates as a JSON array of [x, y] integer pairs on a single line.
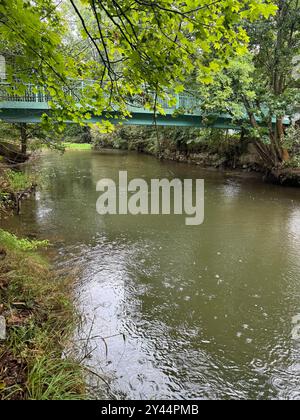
[[14, 187], [40, 317], [204, 147], [37, 315]]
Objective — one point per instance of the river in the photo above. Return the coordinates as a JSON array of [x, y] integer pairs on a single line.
[[186, 312]]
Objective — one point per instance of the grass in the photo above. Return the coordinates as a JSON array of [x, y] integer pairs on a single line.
[[78, 146], [12, 183], [40, 317], [18, 181]]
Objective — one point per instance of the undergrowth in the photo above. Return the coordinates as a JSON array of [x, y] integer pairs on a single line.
[[40, 317], [12, 182]]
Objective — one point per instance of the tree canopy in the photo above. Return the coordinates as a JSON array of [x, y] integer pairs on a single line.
[[127, 47], [92, 56]]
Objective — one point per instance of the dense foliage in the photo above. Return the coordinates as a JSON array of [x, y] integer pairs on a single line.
[[128, 47], [263, 84]]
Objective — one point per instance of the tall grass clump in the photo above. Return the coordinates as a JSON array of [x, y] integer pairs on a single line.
[[40, 316]]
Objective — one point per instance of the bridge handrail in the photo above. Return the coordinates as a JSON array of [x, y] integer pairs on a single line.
[[35, 93]]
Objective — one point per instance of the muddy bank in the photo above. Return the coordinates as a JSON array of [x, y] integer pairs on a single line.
[[247, 163], [289, 177]]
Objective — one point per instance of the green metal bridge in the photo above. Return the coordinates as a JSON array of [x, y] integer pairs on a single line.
[[29, 107]]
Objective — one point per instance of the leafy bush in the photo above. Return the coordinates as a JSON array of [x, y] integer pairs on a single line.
[[294, 162]]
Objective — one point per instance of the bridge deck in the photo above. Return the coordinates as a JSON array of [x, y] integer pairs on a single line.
[[33, 103]]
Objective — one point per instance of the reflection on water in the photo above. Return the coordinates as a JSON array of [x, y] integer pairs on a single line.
[[186, 312]]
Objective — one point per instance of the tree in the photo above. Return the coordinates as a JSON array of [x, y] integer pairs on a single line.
[[136, 46], [279, 42], [263, 84]]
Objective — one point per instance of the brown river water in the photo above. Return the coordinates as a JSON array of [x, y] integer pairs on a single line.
[[173, 311]]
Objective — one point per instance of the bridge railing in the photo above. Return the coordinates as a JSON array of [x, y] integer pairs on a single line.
[[30, 93]]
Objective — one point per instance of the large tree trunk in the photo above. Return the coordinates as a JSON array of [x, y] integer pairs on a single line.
[[274, 154], [262, 148], [283, 153]]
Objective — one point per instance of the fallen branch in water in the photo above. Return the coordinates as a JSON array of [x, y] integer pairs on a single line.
[[18, 197]]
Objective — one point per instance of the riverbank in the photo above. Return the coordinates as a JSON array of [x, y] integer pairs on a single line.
[[205, 148], [37, 314], [14, 187], [37, 307]]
